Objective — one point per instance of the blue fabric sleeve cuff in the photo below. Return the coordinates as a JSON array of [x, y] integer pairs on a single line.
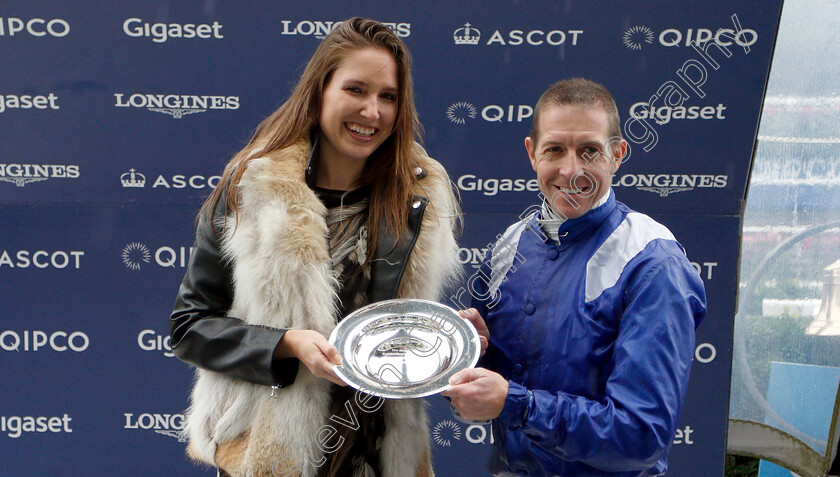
[[517, 405]]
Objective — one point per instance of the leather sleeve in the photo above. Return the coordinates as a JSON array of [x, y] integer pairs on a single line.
[[204, 335]]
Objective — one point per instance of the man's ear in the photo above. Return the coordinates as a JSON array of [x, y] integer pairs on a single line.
[[529, 146], [619, 151]]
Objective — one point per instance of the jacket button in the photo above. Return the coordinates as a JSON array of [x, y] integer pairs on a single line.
[[416, 204], [517, 369], [553, 254], [530, 309]]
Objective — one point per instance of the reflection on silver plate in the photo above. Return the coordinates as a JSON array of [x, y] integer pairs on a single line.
[[404, 348]]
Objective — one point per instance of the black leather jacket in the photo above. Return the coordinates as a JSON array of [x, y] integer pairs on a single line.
[[203, 335]]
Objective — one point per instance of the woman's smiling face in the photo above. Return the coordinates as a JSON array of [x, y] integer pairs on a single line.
[[359, 106]]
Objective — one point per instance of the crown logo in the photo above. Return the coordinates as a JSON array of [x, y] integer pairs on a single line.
[[467, 35], [133, 179]]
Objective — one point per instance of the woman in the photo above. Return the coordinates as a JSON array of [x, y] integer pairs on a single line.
[[330, 206]]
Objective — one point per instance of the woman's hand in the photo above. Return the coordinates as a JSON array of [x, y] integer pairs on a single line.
[[472, 315], [313, 350]]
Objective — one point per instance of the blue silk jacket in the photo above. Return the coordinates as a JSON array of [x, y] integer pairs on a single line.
[[596, 337]]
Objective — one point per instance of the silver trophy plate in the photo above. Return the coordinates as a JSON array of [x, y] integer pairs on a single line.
[[404, 348]]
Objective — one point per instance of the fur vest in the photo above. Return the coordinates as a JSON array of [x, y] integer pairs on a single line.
[[282, 278]]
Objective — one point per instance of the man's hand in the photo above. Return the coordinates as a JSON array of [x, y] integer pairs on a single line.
[[477, 321], [477, 394], [313, 350]]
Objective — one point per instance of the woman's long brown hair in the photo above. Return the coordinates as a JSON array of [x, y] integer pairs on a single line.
[[389, 171]]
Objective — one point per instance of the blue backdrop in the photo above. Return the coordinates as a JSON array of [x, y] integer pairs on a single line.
[[116, 119]]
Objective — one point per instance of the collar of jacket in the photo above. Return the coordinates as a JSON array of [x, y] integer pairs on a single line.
[[581, 227], [391, 257]]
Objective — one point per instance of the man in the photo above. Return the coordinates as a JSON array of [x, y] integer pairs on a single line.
[[589, 309]]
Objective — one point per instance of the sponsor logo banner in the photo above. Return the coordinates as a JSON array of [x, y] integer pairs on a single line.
[[704, 269], [471, 35], [170, 425], [149, 340], [16, 426], [41, 259], [493, 186], [667, 184], [692, 75], [472, 256], [175, 105], [136, 180], [136, 255], [28, 101], [22, 174], [320, 28], [38, 27], [35, 340], [639, 36], [447, 432], [683, 436], [460, 112], [161, 32], [665, 114], [133, 178]]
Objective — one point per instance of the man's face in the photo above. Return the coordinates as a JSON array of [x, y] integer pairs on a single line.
[[573, 158]]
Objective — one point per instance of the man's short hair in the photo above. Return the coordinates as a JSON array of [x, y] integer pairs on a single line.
[[578, 92]]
